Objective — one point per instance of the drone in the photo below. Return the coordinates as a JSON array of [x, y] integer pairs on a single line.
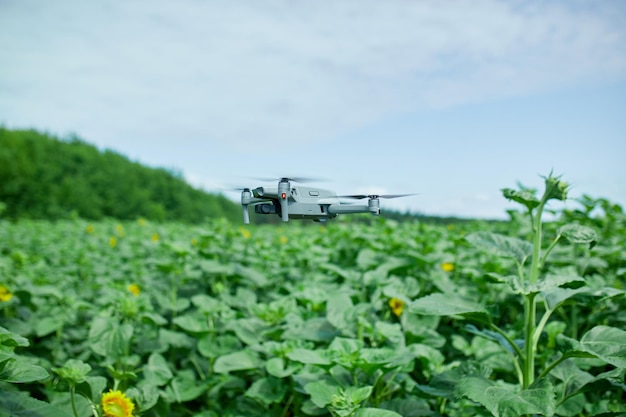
[[289, 201]]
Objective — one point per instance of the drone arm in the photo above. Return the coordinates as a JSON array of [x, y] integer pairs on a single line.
[[347, 209], [373, 207]]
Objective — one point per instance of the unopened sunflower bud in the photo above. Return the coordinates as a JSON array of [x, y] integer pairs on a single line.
[[555, 189]]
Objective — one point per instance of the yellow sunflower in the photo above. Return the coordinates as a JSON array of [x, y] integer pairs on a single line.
[[116, 404], [5, 294], [447, 266], [134, 288], [397, 306]]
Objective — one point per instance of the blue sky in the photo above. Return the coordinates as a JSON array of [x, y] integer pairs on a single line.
[[451, 100]]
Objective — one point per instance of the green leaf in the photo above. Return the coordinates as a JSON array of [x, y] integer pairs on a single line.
[[367, 258], [392, 332], [19, 370], [237, 361], [408, 407], [491, 335], [153, 318], [157, 371], [552, 281], [244, 298], [449, 305], [576, 233], [254, 275], [46, 325], [345, 345], [109, 338], [337, 306], [212, 346], [524, 197], [267, 390], [375, 412], [17, 404], [359, 394], [577, 381], [571, 407], [308, 356], [501, 245], [505, 401], [92, 387], [276, 367], [192, 323], [557, 296], [184, 387], [316, 329], [249, 330], [573, 377], [606, 343], [322, 392], [372, 359], [175, 339], [74, 371], [207, 304], [145, 395], [10, 340]]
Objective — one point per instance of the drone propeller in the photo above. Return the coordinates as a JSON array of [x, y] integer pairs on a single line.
[[361, 196], [288, 179]]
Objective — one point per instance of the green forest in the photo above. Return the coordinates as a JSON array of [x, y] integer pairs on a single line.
[[45, 177], [52, 178]]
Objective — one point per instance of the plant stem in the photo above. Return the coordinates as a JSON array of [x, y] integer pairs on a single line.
[[530, 305], [517, 359], [287, 406], [529, 345], [547, 252], [507, 338], [536, 261], [72, 394], [552, 365], [542, 323]]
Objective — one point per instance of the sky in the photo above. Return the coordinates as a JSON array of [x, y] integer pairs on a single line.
[[449, 100]]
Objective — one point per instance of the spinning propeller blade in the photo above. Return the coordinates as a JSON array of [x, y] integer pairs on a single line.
[[361, 196], [294, 179]]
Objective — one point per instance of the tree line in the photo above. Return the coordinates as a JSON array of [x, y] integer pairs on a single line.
[[44, 177]]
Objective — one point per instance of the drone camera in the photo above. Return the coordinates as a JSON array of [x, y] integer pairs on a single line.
[[265, 209]]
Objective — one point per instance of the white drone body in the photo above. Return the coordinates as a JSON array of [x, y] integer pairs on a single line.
[[299, 202]]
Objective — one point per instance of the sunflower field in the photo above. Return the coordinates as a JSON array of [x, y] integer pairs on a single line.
[[355, 318]]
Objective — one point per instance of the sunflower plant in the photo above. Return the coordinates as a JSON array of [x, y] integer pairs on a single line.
[[542, 354]]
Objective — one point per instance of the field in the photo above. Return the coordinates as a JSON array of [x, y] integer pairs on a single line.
[[376, 319]]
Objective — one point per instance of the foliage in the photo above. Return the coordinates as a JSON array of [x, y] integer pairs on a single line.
[[43, 177], [380, 320]]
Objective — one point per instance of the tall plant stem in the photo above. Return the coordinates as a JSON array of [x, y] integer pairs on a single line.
[[530, 308], [536, 260], [530, 305]]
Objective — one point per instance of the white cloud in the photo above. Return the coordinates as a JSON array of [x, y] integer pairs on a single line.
[[256, 75]]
